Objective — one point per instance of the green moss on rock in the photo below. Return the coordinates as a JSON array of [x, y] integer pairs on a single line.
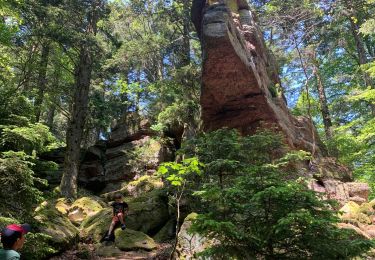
[[62, 232], [83, 208], [128, 240], [148, 213]]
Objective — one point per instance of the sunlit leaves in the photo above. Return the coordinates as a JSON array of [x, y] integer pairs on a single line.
[[176, 173]]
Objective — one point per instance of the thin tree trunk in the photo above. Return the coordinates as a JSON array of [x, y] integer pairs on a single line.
[[51, 116], [42, 81], [323, 104], [362, 57], [186, 34], [76, 124]]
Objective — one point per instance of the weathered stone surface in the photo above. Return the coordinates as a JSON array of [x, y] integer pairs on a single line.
[[148, 213], [167, 232], [356, 229], [107, 250], [63, 233], [328, 168], [189, 245], [342, 191], [240, 85], [133, 240], [82, 208], [128, 128]]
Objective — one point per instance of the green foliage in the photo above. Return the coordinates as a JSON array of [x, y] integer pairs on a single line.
[[34, 138], [37, 246], [18, 194], [176, 173], [254, 207]]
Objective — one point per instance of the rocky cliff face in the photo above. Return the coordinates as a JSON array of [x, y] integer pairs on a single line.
[[133, 150], [241, 89], [240, 83]]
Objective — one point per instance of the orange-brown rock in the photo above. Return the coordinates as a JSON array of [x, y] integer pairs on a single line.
[[240, 84]]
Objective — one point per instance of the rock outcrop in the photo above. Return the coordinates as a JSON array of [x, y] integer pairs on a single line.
[[240, 83], [360, 218], [56, 225], [190, 244], [241, 89], [133, 150]]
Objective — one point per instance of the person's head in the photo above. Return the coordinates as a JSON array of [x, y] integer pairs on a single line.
[[118, 197], [13, 236]]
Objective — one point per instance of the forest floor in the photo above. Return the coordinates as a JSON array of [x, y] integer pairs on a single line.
[[161, 253]]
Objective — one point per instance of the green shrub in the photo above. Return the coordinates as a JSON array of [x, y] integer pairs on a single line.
[[18, 194], [255, 208]]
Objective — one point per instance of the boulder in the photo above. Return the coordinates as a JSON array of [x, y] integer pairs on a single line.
[[356, 214], [148, 213], [167, 232], [94, 228], [129, 240], [342, 191], [327, 168], [189, 244], [354, 228], [137, 187], [103, 250], [62, 206], [82, 208], [369, 230], [62, 232]]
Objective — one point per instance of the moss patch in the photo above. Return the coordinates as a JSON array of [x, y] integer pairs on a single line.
[[132, 240], [62, 232]]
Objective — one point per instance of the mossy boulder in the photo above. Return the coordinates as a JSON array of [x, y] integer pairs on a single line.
[[137, 187], [62, 206], [148, 213], [94, 227], [129, 240], [356, 214], [82, 208], [167, 232], [190, 244], [144, 184], [54, 224]]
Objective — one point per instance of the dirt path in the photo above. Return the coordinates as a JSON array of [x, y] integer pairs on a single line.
[[85, 251]]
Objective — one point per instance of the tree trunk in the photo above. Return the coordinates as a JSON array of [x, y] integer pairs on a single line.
[[42, 81], [76, 124], [51, 116], [323, 104], [186, 35]]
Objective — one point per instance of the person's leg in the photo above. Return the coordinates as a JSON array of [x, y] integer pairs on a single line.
[[120, 217], [113, 224], [111, 227]]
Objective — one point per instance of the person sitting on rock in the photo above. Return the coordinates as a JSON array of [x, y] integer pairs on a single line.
[[120, 208], [13, 238]]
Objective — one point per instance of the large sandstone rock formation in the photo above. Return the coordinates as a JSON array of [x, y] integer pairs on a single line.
[[241, 89], [240, 83]]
